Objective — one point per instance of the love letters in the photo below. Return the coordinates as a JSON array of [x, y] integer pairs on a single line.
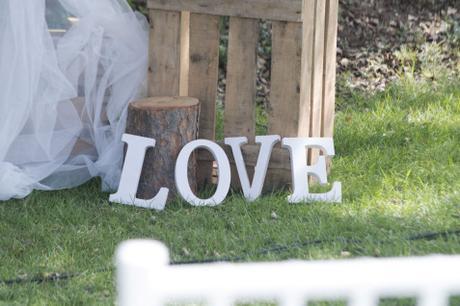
[[137, 147]]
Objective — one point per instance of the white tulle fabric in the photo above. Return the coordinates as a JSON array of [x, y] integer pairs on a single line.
[[64, 91]]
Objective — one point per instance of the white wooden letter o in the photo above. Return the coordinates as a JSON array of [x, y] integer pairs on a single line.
[[181, 173]]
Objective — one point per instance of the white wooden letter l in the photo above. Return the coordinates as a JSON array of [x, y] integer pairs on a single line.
[[130, 176]]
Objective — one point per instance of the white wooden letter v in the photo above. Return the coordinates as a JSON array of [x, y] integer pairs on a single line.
[[252, 192]]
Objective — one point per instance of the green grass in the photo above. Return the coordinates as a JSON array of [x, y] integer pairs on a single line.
[[398, 158]]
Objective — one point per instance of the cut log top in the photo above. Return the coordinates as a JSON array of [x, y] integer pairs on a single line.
[[166, 103]]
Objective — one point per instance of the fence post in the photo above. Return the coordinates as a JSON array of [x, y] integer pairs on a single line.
[[139, 264]]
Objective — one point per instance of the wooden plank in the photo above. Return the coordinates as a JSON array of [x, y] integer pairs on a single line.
[[317, 75], [239, 113], [278, 175], [306, 83], [184, 53], [283, 112], [204, 68], [164, 54], [282, 10], [330, 52], [240, 97], [312, 71], [280, 158]]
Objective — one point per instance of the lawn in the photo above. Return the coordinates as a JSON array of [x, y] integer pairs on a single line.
[[398, 158]]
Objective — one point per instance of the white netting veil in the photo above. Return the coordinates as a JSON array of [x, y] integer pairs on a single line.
[[68, 69]]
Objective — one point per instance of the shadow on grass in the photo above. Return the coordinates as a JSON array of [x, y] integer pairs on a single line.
[[396, 185]]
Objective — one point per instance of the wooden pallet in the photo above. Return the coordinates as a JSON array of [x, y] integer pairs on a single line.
[[184, 60]]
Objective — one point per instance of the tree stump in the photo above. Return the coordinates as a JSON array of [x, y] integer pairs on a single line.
[[172, 122]]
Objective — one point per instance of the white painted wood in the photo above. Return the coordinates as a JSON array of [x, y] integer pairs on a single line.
[[131, 173], [145, 278], [431, 297], [252, 191], [137, 147], [137, 262], [300, 170], [223, 166]]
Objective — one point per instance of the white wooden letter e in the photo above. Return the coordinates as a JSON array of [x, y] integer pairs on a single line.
[[300, 171]]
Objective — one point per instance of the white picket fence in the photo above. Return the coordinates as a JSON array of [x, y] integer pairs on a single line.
[[144, 277]]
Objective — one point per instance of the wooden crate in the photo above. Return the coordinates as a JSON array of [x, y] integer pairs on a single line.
[[184, 60]]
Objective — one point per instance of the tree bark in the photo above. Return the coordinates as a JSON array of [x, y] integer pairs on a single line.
[[172, 122]]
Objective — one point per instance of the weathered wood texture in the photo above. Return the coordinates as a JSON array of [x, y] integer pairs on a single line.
[[184, 53], [302, 78], [240, 105], [313, 63], [282, 10], [204, 67], [330, 53], [284, 108], [278, 174], [240, 97], [164, 54], [172, 122]]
